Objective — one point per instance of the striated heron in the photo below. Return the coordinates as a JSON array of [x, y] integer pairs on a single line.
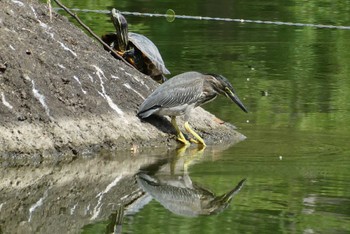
[[184, 92]]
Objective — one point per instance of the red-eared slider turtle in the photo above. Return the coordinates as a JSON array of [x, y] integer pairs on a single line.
[[137, 49]]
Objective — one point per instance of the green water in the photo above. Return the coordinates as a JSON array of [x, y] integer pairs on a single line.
[[296, 155]]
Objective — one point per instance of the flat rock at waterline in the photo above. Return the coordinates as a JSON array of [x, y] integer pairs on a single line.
[[62, 93]]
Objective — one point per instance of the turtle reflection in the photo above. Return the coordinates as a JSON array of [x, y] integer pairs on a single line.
[[185, 198]]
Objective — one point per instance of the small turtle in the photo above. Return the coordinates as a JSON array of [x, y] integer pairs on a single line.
[[137, 49]]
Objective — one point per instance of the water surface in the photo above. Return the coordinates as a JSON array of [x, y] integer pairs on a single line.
[[294, 81]]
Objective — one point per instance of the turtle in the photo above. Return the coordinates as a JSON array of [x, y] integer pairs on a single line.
[[136, 48]]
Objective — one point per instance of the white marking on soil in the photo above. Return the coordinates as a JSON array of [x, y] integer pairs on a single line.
[[141, 81], [1, 205], [91, 78], [101, 94], [26, 77], [43, 25], [99, 72], [11, 47], [110, 102], [66, 48], [51, 35], [61, 66], [124, 197], [129, 87], [87, 209], [36, 205], [97, 208], [19, 3], [27, 30], [6, 103], [128, 74], [73, 209], [35, 15], [121, 68], [77, 79], [115, 77], [40, 98]]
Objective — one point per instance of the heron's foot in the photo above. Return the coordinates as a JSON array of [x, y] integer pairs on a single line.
[[200, 145], [199, 142], [194, 141], [198, 139], [182, 139], [180, 135]]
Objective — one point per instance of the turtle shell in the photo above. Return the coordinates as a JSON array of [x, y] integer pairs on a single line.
[[150, 52]]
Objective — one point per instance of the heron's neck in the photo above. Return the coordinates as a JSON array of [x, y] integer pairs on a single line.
[[207, 98]]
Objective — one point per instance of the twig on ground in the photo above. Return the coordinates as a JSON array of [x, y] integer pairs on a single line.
[[50, 9], [92, 33]]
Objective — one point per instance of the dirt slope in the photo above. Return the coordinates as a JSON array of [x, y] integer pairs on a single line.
[[62, 93]]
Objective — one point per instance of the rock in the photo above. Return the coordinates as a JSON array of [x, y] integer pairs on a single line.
[[62, 93]]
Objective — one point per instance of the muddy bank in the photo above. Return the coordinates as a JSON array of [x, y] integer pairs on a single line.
[[63, 94]]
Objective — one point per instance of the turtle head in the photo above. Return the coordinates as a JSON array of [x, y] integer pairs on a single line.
[[121, 27]]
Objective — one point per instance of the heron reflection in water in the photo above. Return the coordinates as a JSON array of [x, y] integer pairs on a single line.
[[187, 201], [183, 197]]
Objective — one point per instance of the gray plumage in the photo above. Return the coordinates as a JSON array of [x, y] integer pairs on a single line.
[[186, 200], [184, 92], [180, 94]]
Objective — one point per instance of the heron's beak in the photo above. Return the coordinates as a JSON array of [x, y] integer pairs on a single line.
[[235, 99], [121, 26]]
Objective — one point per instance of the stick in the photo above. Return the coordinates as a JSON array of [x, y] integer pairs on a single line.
[[50, 9], [92, 33]]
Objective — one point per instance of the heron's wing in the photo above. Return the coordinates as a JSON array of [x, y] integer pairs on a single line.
[[179, 95], [183, 89]]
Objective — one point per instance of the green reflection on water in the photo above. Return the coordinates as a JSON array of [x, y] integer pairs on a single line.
[[299, 191], [304, 118]]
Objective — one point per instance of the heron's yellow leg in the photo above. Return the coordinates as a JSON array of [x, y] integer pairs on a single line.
[[192, 156], [180, 136], [198, 140], [180, 152]]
